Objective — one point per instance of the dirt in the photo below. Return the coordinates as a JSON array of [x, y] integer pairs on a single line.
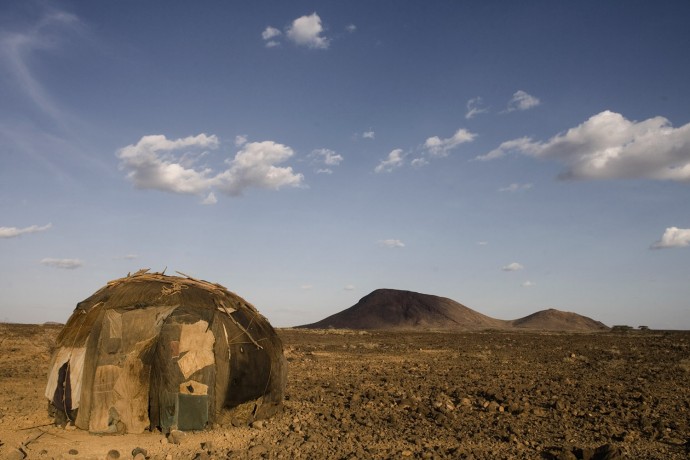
[[475, 395]]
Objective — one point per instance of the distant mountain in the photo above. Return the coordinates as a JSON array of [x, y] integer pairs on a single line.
[[553, 319], [397, 309]]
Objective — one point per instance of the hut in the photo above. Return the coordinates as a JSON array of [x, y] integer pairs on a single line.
[[169, 352]]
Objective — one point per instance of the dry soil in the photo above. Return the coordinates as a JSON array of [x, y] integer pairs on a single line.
[[476, 395]]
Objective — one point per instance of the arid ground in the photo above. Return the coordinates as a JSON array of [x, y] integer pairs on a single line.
[[481, 395]]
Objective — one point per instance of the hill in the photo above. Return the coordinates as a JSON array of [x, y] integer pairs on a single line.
[[553, 319], [398, 309]]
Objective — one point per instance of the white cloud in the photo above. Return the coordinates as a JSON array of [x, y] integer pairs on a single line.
[[527, 284], [68, 264], [349, 287], [419, 162], [608, 146], [522, 101], [150, 164], [521, 144], [255, 166], [130, 256], [437, 147], [12, 232], [210, 199], [326, 156], [395, 159], [483, 243], [512, 267], [324, 171], [368, 134], [306, 31], [270, 32], [350, 28], [392, 244], [474, 107], [512, 188], [272, 44], [240, 140], [673, 237]]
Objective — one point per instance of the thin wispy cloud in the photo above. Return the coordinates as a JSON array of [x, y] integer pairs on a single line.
[[528, 284], [17, 48], [368, 135], [673, 237], [240, 140], [349, 287], [475, 106], [210, 199], [351, 28], [608, 146], [325, 157], [269, 36], [13, 232], [66, 264], [522, 101], [152, 163], [513, 188], [391, 244], [512, 267]]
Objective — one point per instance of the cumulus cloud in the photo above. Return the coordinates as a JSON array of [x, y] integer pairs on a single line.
[[151, 163], [368, 134], [68, 264], [522, 101], [673, 237], [512, 267], [608, 146], [391, 244], [475, 107], [12, 232], [255, 166], [512, 188], [307, 31], [437, 147], [395, 159]]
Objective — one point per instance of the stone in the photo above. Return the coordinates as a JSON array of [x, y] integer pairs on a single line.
[[176, 436], [113, 454]]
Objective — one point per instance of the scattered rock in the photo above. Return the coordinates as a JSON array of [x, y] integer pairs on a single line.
[[113, 454], [176, 436], [16, 454]]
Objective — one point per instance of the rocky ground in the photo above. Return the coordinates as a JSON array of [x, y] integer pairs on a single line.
[[475, 395]]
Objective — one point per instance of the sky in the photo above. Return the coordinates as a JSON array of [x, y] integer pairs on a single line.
[[511, 156]]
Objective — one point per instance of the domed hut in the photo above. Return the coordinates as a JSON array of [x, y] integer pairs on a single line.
[[151, 350]]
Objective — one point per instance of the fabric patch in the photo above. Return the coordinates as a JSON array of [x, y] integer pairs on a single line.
[[196, 342], [192, 387]]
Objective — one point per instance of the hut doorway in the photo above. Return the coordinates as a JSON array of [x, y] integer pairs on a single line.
[[184, 373]]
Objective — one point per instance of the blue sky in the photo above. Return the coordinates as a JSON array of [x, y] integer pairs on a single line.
[[512, 156]]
